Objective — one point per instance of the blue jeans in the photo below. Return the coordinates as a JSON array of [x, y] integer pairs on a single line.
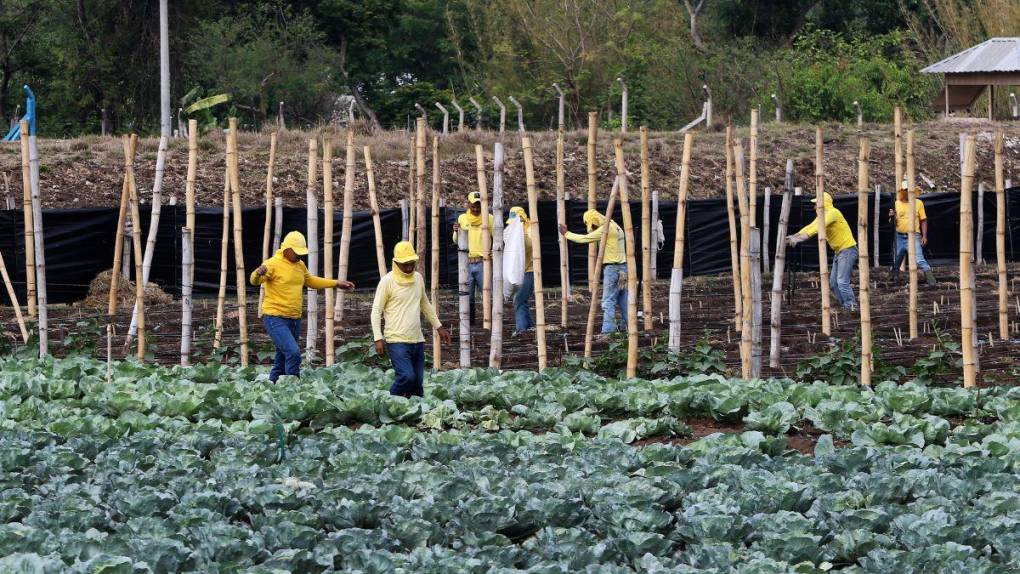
[[475, 282], [408, 361], [839, 277], [522, 315], [284, 333], [901, 252], [613, 297]]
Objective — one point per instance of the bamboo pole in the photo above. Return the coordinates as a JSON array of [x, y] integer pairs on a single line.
[[738, 312], [823, 255], [118, 250], [464, 301], [898, 146], [39, 243], [561, 219], [755, 258], [966, 266], [156, 208], [327, 245], [911, 238], [240, 279], [412, 225], [745, 264], [628, 233], [486, 240], [876, 226], [776, 302], [347, 228], [1000, 237], [136, 242], [380, 255], [496, 343], [14, 299], [187, 272], [676, 282], [536, 251], [593, 173], [766, 216], [864, 267], [224, 243], [654, 273], [646, 234], [312, 232], [267, 229], [752, 179], [437, 347], [26, 186], [277, 223], [189, 210], [589, 330], [420, 199], [979, 236]]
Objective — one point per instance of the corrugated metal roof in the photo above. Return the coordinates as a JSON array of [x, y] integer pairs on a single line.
[[994, 55]]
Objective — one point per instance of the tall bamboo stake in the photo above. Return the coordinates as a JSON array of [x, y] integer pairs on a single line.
[[327, 244], [911, 237], [738, 312], [267, 229], [224, 243], [187, 272], [593, 174], [745, 264], [646, 233], [312, 232], [823, 255], [118, 251], [755, 258], [347, 228], [464, 301], [979, 247], [136, 242], [26, 186], [676, 282], [654, 273], [496, 344], [277, 223], [966, 266], [412, 225], [1000, 237], [766, 216], [877, 218], [437, 347], [486, 240], [240, 279], [752, 179], [150, 243], [864, 267], [420, 199], [40, 243], [189, 200], [380, 255], [14, 299], [589, 330], [536, 251], [776, 302], [628, 233], [561, 219], [898, 145]]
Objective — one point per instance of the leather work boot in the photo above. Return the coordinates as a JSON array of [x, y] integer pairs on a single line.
[[930, 278]]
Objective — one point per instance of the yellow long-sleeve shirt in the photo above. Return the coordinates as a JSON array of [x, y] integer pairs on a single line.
[[284, 282], [473, 225], [401, 307], [837, 231], [903, 216], [615, 246]]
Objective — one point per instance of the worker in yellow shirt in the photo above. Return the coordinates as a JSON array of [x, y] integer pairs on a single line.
[[844, 247], [285, 276], [522, 315], [901, 212], [614, 266], [471, 221], [400, 302]]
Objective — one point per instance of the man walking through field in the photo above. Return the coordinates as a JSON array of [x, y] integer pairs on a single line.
[[901, 213], [400, 302], [844, 247], [285, 276], [614, 266], [471, 222]]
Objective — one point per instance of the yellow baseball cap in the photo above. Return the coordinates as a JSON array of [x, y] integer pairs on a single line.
[[474, 197], [295, 240], [403, 252]]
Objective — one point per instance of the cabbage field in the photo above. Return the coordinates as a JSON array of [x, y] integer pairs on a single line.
[[213, 469]]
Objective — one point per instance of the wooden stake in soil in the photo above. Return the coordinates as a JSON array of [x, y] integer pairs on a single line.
[[877, 219], [561, 219], [536, 251], [156, 209], [347, 227], [767, 221], [1000, 238], [419, 242], [267, 229], [187, 272], [776, 302], [755, 303], [496, 345], [593, 174], [864, 267], [224, 242], [240, 279], [26, 186], [486, 240], [277, 223], [136, 242], [380, 255], [823, 255], [966, 266], [745, 265], [676, 281], [738, 312], [589, 330], [437, 347], [898, 146], [327, 244], [628, 234], [752, 179], [39, 242], [979, 246], [118, 250], [14, 299], [464, 301], [312, 232], [911, 237], [646, 235]]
